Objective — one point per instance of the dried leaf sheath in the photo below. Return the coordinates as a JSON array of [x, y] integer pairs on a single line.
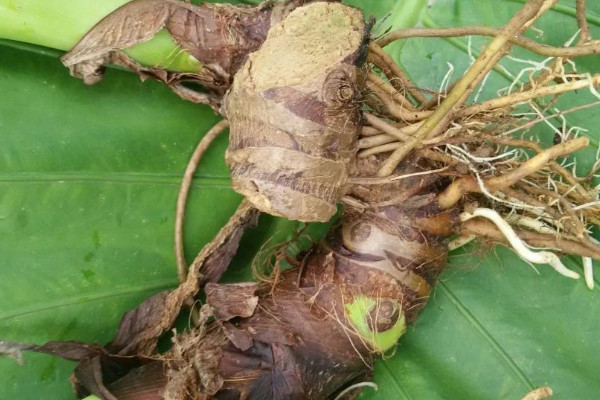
[[218, 35]]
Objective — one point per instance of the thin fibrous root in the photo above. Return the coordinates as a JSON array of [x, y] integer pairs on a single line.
[[390, 91], [184, 189], [556, 167], [395, 108], [459, 187], [531, 123], [388, 179], [443, 115], [540, 257], [528, 44], [566, 210], [394, 73], [356, 386]]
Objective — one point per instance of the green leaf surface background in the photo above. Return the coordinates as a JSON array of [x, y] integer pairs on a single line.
[[88, 182]]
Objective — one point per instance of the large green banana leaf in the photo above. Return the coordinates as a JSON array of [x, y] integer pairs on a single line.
[[88, 182]]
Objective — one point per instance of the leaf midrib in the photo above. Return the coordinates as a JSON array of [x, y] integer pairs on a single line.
[[489, 339], [88, 298], [394, 380], [111, 177]]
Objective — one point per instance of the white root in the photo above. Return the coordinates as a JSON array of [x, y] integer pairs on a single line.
[[588, 272], [446, 80], [588, 267], [540, 257], [356, 386]]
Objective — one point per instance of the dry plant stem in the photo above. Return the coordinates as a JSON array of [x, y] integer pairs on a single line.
[[351, 201], [484, 229], [242, 213], [437, 98], [558, 114], [528, 44], [393, 71], [391, 91], [184, 189], [459, 187], [442, 116], [192, 95]]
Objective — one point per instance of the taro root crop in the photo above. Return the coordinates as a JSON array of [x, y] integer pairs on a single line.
[[322, 119]]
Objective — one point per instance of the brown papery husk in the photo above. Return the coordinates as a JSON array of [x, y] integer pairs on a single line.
[[219, 36], [295, 114]]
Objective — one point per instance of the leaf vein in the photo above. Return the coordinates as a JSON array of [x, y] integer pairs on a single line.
[[124, 178], [394, 379], [81, 299], [490, 340]]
